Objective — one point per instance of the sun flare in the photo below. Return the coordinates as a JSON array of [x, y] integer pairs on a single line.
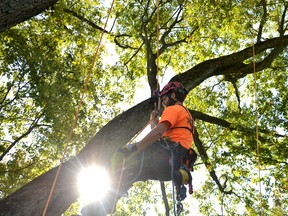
[[93, 184]]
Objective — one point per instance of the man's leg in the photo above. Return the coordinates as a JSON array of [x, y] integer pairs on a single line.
[[181, 175]]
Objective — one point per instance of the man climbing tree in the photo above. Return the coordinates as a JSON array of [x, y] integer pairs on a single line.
[[165, 153], [226, 52]]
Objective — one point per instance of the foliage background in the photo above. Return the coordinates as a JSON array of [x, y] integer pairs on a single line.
[[45, 61]]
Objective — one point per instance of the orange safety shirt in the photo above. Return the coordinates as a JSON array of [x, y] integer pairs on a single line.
[[178, 117]]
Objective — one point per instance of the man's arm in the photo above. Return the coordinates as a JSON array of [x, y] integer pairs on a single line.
[[154, 135]]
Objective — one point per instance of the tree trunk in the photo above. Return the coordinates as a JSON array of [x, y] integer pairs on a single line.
[[13, 12], [31, 199]]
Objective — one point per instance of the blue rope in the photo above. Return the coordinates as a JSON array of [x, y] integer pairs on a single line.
[[179, 204], [172, 177], [139, 172]]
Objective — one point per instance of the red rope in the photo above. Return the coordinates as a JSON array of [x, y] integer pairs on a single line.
[[256, 110], [77, 113]]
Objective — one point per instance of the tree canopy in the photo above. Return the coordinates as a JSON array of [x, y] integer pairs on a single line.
[[231, 55]]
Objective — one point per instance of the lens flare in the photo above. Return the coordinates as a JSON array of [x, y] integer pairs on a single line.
[[93, 184]]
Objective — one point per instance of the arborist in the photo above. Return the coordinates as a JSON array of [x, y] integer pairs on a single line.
[[168, 145]]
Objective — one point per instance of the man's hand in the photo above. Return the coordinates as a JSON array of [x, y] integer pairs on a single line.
[[118, 157], [128, 149]]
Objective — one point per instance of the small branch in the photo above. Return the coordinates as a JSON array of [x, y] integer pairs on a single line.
[[281, 28], [233, 81], [123, 46], [263, 20], [164, 197], [237, 95], [134, 54], [203, 154], [17, 170], [83, 19], [30, 129], [176, 20]]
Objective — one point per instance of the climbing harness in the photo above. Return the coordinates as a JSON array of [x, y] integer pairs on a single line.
[[185, 168], [177, 206], [187, 161], [180, 189]]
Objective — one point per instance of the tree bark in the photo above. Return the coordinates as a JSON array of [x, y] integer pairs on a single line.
[[13, 12], [31, 198]]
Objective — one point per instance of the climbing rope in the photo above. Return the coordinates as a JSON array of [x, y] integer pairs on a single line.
[[139, 132], [77, 112], [177, 206], [256, 109], [124, 162], [157, 54], [257, 132], [157, 106], [173, 182]]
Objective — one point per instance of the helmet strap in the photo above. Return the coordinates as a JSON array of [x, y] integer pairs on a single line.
[[171, 101]]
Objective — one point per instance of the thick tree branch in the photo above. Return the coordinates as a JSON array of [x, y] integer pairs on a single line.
[[244, 69], [13, 12], [147, 38], [229, 64], [230, 126]]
